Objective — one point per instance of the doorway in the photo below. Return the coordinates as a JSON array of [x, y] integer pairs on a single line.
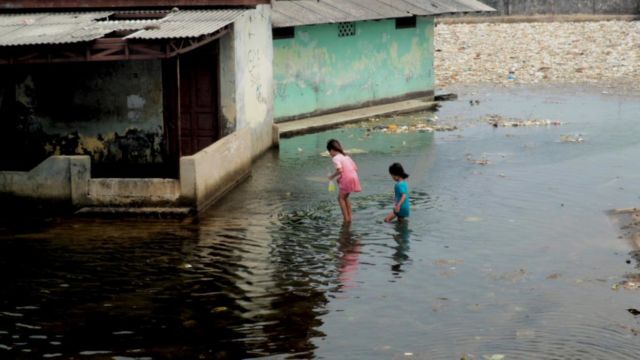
[[199, 100]]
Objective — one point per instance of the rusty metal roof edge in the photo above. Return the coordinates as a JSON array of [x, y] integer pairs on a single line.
[[198, 26], [29, 29], [448, 7]]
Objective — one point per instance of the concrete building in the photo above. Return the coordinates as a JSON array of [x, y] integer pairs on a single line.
[[334, 55], [114, 103]]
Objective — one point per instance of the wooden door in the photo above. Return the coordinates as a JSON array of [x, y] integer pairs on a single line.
[[199, 125]]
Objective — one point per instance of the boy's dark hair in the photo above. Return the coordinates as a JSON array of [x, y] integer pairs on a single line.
[[334, 145], [396, 170]]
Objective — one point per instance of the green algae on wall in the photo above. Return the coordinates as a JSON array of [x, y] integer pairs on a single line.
[[318, 71]]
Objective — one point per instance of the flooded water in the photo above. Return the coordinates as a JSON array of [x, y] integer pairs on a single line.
[[514, 258]]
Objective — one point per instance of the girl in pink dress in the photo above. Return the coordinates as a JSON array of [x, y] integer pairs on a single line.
[[347, 175]]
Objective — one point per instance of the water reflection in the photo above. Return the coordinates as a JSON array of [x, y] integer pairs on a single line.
[[349, 259], [403, 245], [489, 263]]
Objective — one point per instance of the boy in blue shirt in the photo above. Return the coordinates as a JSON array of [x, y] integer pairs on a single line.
[[401, 190]]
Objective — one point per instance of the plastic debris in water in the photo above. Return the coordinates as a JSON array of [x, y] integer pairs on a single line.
[[572, 139], [494, 357], [331, 187]]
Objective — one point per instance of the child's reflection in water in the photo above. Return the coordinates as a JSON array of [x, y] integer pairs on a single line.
[[350, 251], [402, 238]]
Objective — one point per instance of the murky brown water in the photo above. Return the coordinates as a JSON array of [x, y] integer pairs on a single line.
[[514, 258]]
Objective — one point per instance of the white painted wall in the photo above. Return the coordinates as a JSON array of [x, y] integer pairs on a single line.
[[253, 56], [210, 173]]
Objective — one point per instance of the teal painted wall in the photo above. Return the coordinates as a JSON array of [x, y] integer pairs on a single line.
[[318, 71]]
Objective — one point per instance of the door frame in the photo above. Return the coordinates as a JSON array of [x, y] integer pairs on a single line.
[[172, 107]]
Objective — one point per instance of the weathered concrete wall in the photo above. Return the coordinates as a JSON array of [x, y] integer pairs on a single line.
[[318, 71], [533, 7], [109, 111], [204, 178], [209, 174], [228, 108], [254, 76], [132, 192], [59, 178], [67, 179]]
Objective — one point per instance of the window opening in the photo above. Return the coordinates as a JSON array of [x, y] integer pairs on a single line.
[[406, 23], [284, 33], [346, 29]]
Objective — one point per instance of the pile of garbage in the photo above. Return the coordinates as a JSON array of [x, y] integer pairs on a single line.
[[604, 52], [501, 121], [420, 127]]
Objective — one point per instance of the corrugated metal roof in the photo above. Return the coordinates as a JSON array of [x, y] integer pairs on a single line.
[[43, 28], [66, 28], [309, 12], [189, 24]]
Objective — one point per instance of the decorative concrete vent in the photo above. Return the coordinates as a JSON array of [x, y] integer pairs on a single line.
[[346, 29]]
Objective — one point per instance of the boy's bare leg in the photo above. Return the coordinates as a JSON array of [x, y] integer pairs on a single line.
[[390, 217]]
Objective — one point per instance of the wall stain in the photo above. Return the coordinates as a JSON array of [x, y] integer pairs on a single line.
[[99, 112]]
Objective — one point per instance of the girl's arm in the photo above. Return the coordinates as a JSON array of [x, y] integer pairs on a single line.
[[335, 174], [400, 202]]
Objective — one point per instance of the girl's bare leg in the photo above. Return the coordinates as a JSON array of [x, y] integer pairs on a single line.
[[349, 207], [343, 207]]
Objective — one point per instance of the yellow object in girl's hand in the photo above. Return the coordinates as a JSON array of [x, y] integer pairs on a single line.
[[332, 186]]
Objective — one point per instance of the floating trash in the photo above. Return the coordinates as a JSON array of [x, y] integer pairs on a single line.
[[448, 262], [353, 151], [576, 139], [501, 121], [626, 285], [494, 357]]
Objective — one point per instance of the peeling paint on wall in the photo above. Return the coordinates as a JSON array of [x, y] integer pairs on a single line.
[[109, 111], [253, 56], [228, 84], [318, 71]]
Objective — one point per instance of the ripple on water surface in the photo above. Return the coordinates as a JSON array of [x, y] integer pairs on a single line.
[[514, 258]]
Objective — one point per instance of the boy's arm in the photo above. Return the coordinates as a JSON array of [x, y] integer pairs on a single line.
[[400, 202]]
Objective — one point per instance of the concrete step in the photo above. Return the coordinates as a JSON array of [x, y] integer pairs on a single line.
[[133, 192], [136, 212]]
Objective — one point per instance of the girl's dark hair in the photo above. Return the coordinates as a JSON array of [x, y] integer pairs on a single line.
[[396, 170], [334, 145]]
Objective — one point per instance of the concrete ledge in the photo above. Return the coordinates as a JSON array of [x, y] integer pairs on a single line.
[[50, 180], [319, 123], [208, 175]]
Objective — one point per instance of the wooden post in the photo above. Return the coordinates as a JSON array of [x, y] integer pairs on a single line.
[[171, 111]]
